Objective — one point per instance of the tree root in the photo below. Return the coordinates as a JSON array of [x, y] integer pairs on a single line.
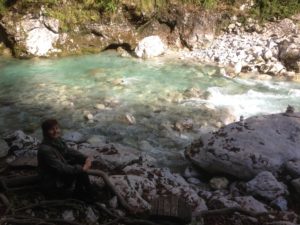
[[35, 221], [68, 202], [112, 187], [225, 211], [6, 202]]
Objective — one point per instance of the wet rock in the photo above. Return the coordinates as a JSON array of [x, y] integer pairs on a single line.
[[266, 186], [280, 203], [97, 140], [74, 136], [219, 183], [244, 150], [293, 168], [3, 148], [149, 47]]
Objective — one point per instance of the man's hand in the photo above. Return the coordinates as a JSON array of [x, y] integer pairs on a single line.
[[88, 164]]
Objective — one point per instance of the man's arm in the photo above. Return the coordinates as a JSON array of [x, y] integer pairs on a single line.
[[49, 158]]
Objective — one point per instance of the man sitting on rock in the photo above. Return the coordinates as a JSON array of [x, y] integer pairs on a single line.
[[62, 170]]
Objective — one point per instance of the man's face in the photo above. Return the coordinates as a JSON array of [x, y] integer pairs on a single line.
[[54, 132]]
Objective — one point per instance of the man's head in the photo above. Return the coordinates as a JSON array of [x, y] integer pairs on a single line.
[[51, 129]]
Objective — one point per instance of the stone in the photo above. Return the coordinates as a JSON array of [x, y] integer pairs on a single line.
[[293, 168], [193, 180], [113, 202], [296, 184], [149, 47], [250, 204], [221, 202], [266, 186], [280, 203], [90, 215], [244, 150], [3, 148], [74, 136], [191, 172], [218, 183], [97, 140], [68, 215]]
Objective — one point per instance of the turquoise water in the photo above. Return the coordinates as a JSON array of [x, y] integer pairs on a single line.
[[144, 104]]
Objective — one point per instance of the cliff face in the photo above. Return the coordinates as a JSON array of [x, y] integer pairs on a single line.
[[33, 31]]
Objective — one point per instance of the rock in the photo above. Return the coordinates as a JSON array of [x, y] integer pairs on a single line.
[[97, 140], [68, 215], [74, 136], [21, 144], [139, 185], [221, 202], [289, 54], [90, 215], [193, 180], [280, 203], [293, 168], [3, 148], [219, 183], [245, 150], [113, 202], [149, 47], [266, 186], [296, 184], [100, 106], [88, 115], [191, 172], [250, 204]]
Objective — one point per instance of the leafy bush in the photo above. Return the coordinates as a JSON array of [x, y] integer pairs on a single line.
[[269, 9]]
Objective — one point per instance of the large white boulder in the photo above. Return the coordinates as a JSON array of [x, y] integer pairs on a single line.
[[149, 47], [244, 149], [41, 34]]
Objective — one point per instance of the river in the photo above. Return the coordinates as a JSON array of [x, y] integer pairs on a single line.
[[158, 106]]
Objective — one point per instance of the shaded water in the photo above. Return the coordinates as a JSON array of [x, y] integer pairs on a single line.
[[158, 106]]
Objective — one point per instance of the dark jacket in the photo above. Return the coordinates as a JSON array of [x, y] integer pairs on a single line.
[[58, 165]]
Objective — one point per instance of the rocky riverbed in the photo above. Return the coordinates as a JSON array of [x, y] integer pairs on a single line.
[[264, 192]]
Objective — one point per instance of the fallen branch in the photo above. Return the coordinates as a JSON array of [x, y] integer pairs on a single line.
[[112, 187], [229, 211]]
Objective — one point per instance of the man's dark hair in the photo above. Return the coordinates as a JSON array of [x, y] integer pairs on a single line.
[[47, 125]]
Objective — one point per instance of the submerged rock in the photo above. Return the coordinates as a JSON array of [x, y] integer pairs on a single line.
[[260, 143]]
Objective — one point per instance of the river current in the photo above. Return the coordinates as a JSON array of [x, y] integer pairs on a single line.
[[158, 106]]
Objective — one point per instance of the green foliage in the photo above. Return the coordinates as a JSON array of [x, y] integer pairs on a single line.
[[2, 6], [269, 9]]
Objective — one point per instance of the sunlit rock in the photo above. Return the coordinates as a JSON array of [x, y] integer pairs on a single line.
[[243, 150], [150, 47], [250, 204]]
